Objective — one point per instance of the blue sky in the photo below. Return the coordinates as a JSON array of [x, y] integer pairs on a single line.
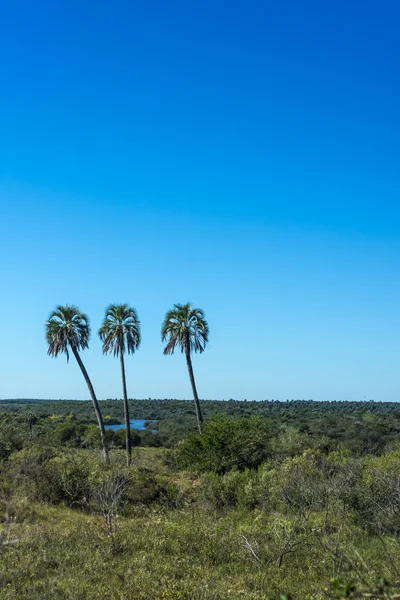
[[241, 156]]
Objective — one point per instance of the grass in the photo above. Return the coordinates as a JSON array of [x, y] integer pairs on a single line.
[[287, 528], [161, 554], [152, 459]]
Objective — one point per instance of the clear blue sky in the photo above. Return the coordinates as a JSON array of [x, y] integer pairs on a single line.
[[243, 156]]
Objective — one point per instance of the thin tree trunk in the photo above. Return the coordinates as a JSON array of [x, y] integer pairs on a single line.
[[95, 404], [195, 396], [128, 443]]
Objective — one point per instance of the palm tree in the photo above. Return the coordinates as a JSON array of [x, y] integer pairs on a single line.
[[185, 327], [31, 419], [120, 333], [68, 328]]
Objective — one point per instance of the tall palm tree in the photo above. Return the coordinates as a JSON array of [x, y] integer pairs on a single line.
[[67, 328], [120, 333], [185, 327], [31, 419]]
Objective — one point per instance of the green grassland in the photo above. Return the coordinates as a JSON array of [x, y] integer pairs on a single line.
[[255, 508], [182, 537]]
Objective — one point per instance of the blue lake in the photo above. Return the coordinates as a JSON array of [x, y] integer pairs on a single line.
[[135, 424]]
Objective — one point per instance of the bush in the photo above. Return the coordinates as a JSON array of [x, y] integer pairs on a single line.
[[226, 443], [47, 475], [376, 498], [29, 470], [311, 483], [118, 438], [12, 438], [74, 477], [152, 440], [235, 489]]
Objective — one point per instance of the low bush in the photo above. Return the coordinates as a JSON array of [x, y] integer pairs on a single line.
[[47, 475], [74, 477], [226, 443], [376, 498], [301, 485], [235, 489]]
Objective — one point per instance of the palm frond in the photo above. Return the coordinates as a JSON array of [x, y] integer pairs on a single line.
[[185, 327], [67, 327], [120, 330]]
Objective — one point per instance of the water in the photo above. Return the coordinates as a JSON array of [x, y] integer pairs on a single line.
[[135, 424]]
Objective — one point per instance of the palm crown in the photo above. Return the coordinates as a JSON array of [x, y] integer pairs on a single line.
[[67, 326], [185, 327], [120, 331]]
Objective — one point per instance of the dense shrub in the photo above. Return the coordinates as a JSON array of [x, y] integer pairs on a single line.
[[226, 443], [234, 489], [152, 440], [117, 438], [302, 485], [310, 482], [74, 478], [376, 498], [12, 438], [42, 473]]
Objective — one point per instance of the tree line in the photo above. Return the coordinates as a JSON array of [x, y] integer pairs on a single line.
[[68, 329]]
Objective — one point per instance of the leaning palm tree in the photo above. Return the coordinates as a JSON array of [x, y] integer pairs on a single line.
[[120, 333], [67, 328], [185, 327]]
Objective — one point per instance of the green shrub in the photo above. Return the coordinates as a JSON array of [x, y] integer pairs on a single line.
[[30, 474], [48, 475], [119, 438], [310, 483], [72, 477], [152, 440], [376, 498], [235, 489], [12, 438], [226, 443]]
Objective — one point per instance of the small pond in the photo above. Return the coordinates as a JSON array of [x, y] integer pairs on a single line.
[[135, 424]]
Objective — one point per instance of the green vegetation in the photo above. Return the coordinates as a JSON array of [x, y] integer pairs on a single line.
[[254, 508], [225, 444], [361, 427]]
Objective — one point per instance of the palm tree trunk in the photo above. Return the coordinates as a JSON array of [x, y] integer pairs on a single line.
[[195, 396], [128, 443], [95, 403]]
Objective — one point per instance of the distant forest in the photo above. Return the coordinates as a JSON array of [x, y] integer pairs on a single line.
[[362, 427]]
